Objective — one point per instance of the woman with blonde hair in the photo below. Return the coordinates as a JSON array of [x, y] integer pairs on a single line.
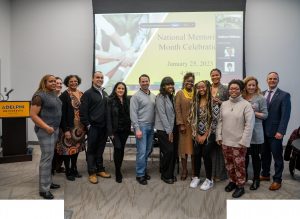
[[46, 113], [258, 102]]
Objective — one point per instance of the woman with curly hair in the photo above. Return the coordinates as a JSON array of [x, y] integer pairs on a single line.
[[71, 140], [234, 133]]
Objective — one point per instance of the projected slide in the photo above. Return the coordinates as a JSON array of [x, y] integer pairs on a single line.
[[168, 44]]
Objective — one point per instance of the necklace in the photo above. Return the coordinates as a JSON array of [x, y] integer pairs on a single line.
[[231, 106]]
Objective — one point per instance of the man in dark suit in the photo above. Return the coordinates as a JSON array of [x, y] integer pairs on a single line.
[[279, 108]]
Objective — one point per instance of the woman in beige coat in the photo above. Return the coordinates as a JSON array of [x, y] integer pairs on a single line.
[[183, 101]]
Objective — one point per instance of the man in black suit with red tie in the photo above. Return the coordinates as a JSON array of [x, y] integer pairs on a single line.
[[279, 108]]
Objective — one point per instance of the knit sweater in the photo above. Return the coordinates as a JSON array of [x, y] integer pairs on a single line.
[[142, 109], [236, 122]]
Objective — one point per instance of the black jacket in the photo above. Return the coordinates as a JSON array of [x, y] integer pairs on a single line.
[[67, 118], [113, 118], [93, 108]]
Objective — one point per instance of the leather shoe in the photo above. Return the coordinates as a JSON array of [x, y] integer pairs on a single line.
[[54, 186], [174, 178], [264, 178], [239, 191], [275, 186], [119, 177], [168, 181], [147, 177], [70, 177], [47, 195], [104, 174], [60, 170], [93, 179], [230, 187], [76, 174], [141, 180], [255, 184]]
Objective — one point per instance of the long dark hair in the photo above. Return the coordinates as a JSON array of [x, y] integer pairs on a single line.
[[166, 81], [193, 117], [113, 93]]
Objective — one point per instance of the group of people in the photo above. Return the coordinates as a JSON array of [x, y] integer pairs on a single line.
[[223, 125]]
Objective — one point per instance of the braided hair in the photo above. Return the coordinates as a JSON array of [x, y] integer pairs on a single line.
[[193, 117]]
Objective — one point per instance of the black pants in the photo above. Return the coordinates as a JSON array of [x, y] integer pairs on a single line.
[[175, 143], [119, 142], [254, 151], [96, 143], [57, 161], [167, 150], [73, 159], [203, 150]]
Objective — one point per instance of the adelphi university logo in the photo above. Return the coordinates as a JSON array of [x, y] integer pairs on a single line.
[[12, 109]]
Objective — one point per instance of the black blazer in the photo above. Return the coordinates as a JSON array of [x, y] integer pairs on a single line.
[[113, 107], [279, 113]]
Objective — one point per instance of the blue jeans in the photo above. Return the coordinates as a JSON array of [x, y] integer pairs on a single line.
[[144, 148]]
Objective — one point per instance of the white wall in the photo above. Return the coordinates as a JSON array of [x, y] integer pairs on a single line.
[[4, 48], [56, 36], [53, 37], [5, 35], [272, 44]]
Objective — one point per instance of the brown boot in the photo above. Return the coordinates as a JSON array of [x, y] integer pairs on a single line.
[[184, 171]]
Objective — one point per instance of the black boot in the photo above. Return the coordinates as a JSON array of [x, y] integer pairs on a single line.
[[239, 191], [68, 170], [75, 173], [118, 158], [255, 184], [69, 175], [119, 176]]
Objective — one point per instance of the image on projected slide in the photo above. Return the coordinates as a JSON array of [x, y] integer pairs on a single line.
[[162, 44]]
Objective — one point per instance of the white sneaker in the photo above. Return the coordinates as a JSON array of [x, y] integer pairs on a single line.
[[208, 184], [195, 182]]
